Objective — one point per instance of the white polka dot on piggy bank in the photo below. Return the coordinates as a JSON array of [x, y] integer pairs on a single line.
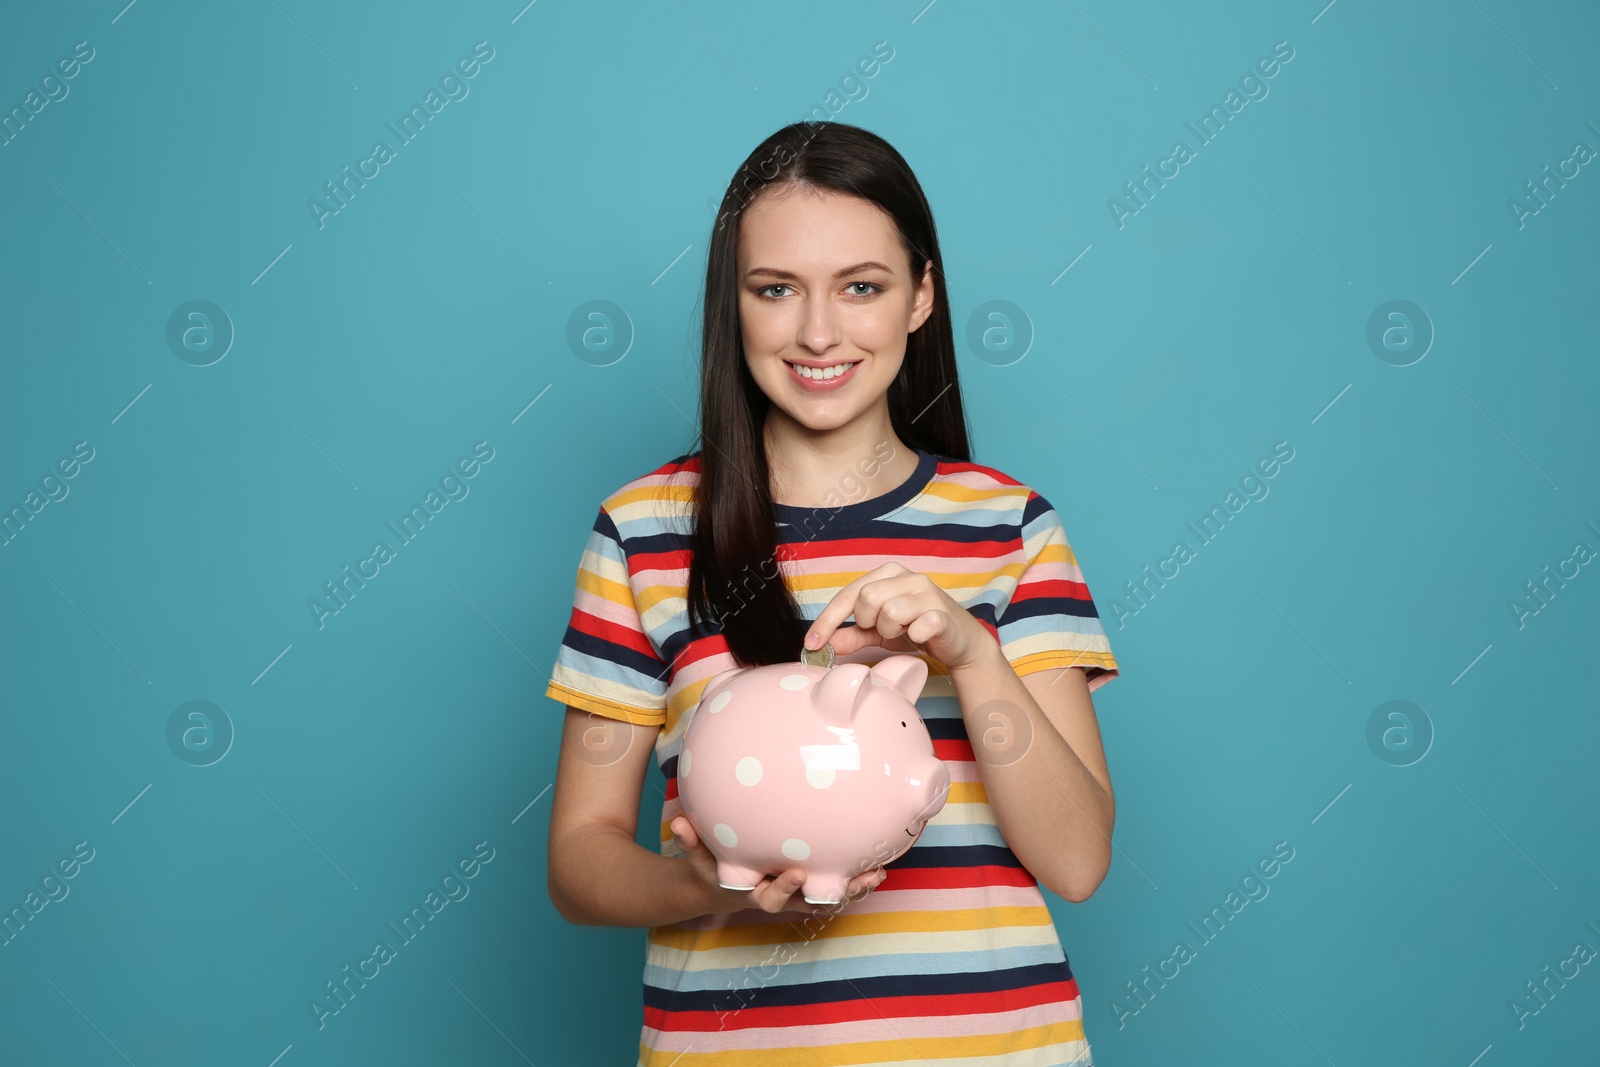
[[826, 769]]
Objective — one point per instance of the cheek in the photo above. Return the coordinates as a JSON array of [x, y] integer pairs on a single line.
[[885, 368], [761, 326], [882, 332], [881, 327]]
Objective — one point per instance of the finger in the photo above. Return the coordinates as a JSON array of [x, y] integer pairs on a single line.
[[776, 893], [928, 625], [880, 606], [890, 617], [871, 878], [872, 595], [843, 604], [896, 616], [909, 593], [848, 639], [687, 838], [864, 883]]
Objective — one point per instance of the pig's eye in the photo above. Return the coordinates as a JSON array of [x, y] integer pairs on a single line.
[[903, 723]]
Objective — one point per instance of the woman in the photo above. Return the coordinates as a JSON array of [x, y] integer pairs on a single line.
[[834, 482]]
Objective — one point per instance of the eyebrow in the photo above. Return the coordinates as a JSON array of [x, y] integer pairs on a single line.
[[773, 272]]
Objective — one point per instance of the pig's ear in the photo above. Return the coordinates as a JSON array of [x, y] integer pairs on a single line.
[[908, 674], [839, 693], [717, 682]]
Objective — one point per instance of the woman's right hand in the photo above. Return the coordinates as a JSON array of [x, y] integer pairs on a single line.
[[772, 893]]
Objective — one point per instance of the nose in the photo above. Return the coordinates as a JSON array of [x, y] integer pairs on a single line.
[[940, 794], [819, 325]]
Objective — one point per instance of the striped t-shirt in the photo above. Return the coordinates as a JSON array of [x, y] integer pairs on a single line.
[[954, 956]]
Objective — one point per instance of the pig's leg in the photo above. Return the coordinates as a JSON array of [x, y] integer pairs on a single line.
[[820, 888], [732, 876]]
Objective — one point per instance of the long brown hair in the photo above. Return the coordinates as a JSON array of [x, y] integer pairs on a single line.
[[733, 573]]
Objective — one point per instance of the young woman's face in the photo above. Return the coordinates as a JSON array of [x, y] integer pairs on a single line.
[[824, 282]]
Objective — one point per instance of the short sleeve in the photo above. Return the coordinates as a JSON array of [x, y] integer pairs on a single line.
[[1050, 620], [606, 663]]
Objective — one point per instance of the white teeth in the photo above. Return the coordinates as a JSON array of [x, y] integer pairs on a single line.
[[825, 373]]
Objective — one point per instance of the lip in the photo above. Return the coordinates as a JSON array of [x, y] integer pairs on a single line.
[[814, 385]]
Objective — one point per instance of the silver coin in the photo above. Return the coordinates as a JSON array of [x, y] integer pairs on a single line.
[[820, 657]]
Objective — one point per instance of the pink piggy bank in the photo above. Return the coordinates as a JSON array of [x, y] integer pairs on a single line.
[[826, 769]]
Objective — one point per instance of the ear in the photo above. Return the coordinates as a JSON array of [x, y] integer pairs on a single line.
[[923, 308], [908, 674], [716, 682], [839, 693]]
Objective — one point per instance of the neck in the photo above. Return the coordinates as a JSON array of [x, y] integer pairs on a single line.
[[822, 469]]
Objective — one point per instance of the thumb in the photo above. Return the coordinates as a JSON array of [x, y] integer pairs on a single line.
[[683, 830], [846, 639]]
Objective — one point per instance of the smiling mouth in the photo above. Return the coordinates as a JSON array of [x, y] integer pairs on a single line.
[[822, 374]]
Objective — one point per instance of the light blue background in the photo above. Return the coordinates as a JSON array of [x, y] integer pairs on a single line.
[[1230, 313]]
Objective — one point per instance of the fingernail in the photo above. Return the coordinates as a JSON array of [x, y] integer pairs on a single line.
[[812, 641]]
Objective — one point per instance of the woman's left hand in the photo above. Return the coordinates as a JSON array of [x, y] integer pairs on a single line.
[[901, 610]]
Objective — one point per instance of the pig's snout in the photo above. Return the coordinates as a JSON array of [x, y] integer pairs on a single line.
[[937, 781]]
